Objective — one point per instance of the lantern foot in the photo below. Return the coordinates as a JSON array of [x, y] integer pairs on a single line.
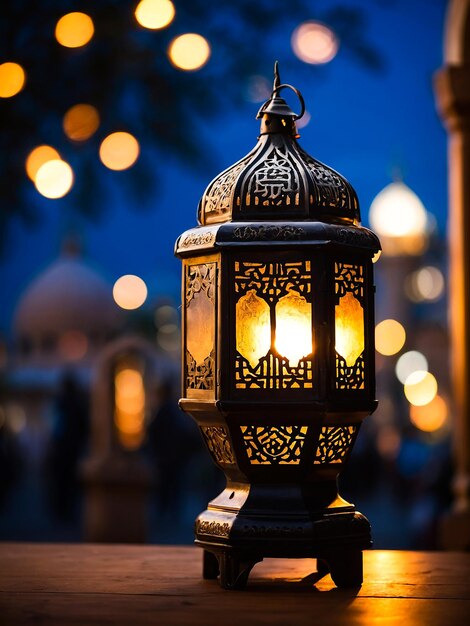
[[210, 566], [345, 568], [234, 571]]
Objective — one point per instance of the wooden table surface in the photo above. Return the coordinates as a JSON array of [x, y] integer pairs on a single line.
[[56, 584]]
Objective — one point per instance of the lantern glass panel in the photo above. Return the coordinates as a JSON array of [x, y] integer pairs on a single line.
[[273, 320], [253, 327], [294, 327], [349, 326], [200, 328]]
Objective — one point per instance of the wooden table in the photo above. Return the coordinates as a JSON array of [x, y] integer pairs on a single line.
[[134, 585]]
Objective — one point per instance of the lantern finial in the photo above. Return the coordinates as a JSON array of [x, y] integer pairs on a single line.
[[277, 78]]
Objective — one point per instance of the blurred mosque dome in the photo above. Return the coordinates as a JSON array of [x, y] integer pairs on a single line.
[[66, 314], [400, 219]]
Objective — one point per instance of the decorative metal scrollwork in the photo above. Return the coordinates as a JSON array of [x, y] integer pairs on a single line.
[[199, 238], [349, 278], [217, 205], [200, 376], [219, 444], [268, 233], [218, 529], [274, 182], [274, 445], [331, 191], [333, 444], [272, 281], [200, 278]]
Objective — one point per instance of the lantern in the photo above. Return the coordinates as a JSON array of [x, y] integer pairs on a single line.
[[278, 354]]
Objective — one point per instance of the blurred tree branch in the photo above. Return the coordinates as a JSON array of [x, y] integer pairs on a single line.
[[125, 73]]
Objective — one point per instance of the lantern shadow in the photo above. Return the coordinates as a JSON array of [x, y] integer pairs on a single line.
[[293, 579]]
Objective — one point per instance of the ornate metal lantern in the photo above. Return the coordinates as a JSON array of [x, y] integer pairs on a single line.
[[278, 353]]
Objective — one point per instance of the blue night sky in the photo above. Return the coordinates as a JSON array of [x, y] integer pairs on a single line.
[[363, 123]]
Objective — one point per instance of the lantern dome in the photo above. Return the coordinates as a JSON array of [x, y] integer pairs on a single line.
[[68, 296], [278, 179]]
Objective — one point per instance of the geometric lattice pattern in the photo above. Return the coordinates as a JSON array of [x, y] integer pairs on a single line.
[[219, 444], [274, 445], [333, 444], [271, 282], [349, 278]]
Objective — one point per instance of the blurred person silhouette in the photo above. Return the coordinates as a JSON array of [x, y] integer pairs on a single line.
[[67, 445], [11, 463], [173, 440]]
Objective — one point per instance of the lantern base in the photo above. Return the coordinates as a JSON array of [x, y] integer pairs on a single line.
[[234, 542]]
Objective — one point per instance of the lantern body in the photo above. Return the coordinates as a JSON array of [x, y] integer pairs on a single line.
[[278, 357]]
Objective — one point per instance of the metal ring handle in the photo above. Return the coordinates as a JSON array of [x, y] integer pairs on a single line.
[[297, 93]]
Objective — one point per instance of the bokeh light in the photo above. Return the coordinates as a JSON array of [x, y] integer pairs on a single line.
[[189, 52], [129, 414], [74, 30], [390, 337], [39, 156], [129, 292], [315, 43], [430, 417], [12, 79], [81, 122], [15, 418], [119, 151], [155, 14], [420, 388], [425, 285], [304, 120], [54, 179], [410, 362]]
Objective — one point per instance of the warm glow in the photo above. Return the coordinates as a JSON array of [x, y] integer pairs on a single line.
[[12, 79], [431, 416], [81, 122], [200, 326], [420, 388], [410, 362], [349, 328], [54, 179], [253, 327], [390, 337], [376, 256], [39, 156], [129, 414], [73, 345], [294, 328], [400, 219], [189, 52], [314, 43], [129, 292], [155, 14], [74, 30], [119, 151]]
